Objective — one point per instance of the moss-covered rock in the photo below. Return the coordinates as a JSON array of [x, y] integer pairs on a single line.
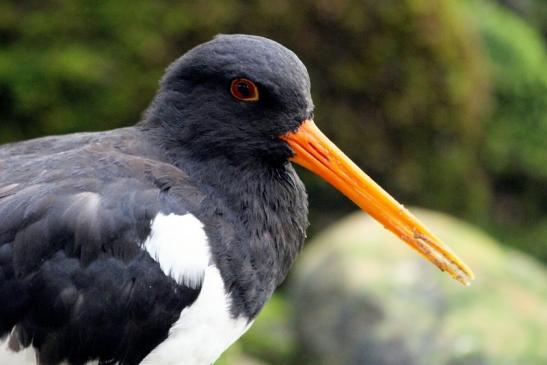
[[363, 297]]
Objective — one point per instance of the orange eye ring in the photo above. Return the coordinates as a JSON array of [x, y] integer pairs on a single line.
[[244, 89]]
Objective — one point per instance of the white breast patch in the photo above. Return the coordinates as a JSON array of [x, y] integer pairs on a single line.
[[206, 328], [179, 244]]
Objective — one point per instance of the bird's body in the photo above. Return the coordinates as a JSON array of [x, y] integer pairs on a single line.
[[160, 243], [94, 217], [114, 242]]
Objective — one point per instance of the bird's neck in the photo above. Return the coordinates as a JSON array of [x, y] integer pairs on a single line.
[[263, 208], [267, 209]]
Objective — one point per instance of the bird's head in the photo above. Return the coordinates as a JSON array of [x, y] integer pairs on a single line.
[[235, 96], [247, 98]]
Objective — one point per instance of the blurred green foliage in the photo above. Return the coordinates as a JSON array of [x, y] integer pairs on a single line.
[[533, 11], [442, 101], [271, 338], [515, 146]]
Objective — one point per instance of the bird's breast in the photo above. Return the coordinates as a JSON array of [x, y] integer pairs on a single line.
[[208, 326]]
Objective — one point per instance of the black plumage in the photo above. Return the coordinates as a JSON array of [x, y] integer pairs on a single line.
[[75, 282]]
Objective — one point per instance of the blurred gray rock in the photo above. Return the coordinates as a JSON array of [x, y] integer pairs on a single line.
[[361, 296]]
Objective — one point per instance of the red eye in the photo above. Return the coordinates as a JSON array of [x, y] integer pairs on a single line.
[[243, 89]]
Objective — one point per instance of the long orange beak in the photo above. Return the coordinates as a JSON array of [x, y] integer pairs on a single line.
[[314, 151]]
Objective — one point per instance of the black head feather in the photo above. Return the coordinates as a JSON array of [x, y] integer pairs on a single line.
[[196, 109]]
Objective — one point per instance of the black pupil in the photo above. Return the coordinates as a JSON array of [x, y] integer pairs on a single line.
[[244, 90]]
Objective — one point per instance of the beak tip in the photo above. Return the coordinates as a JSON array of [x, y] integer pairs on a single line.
[[465, 277]]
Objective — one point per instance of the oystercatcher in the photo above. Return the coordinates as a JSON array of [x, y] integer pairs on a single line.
[[160, 243]]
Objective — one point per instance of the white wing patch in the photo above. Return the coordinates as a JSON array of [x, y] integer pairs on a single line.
[[179, 244], [26, 356]]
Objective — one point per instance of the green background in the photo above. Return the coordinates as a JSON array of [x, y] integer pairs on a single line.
[[443, 102]]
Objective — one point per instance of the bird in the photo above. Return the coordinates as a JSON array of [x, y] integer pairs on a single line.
[[161, 242]]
